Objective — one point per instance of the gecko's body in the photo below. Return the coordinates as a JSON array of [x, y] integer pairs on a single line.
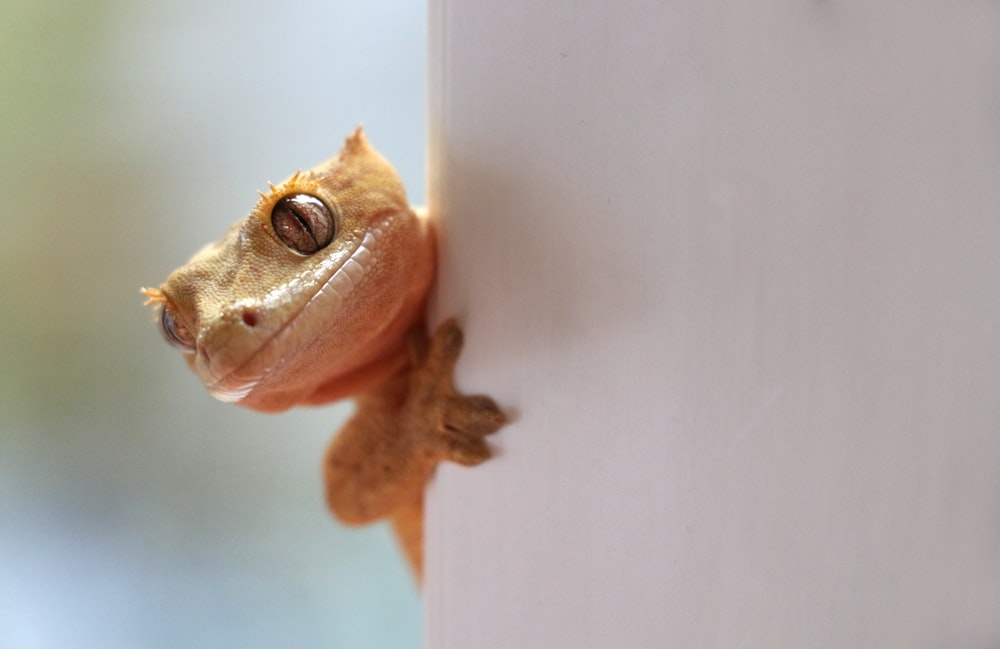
[[317, 295]]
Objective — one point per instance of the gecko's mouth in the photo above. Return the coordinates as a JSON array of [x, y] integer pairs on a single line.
[[271, 336]]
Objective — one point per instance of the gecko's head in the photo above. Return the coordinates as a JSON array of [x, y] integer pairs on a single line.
[[312, 286]]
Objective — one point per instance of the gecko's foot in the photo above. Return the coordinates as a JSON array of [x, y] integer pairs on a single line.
[[455, 423]]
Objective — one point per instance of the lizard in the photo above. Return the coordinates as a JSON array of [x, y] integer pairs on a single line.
[[320, 294]]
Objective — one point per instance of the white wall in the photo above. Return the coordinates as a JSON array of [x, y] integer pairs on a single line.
[[734, 267]]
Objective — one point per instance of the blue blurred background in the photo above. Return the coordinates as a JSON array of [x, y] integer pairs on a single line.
[[136, 511]]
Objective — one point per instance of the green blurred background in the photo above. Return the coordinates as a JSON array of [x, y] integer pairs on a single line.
[[136, 511]]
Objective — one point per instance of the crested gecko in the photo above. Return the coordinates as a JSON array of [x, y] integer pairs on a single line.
[[320, 294]]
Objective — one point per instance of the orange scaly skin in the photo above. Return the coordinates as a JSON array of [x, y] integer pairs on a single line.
[[269, 326]]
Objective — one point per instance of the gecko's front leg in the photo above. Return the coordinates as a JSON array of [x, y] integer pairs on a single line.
[[307, 300], [378, 464]]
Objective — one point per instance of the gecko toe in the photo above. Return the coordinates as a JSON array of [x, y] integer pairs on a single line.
[[467, 451], [474, 416], [447, 342]]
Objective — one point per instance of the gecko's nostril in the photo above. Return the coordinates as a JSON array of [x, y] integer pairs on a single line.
[[250, 317]]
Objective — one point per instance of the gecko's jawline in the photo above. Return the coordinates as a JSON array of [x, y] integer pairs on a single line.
[[232, 387]]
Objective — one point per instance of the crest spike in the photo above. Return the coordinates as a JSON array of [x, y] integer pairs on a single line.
[[153, 296]]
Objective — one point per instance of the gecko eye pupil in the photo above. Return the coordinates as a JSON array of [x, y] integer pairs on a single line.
[[303, 223], [175, 332]]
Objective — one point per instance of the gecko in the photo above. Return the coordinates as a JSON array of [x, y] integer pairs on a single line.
[[320, 294]]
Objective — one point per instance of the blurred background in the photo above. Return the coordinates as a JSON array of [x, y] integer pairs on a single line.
[[135, 510]]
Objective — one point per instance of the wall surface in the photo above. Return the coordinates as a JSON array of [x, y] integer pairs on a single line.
[[734, 269]]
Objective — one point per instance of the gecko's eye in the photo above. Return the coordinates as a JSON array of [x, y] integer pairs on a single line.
[[303, 223], [175, 332]]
